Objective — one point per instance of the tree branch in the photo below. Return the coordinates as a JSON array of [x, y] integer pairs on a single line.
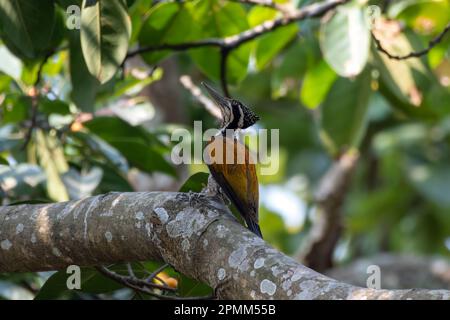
[[223, 71], [413, 54], [196, 234], [232, 42], [326, 230], [264, 3]]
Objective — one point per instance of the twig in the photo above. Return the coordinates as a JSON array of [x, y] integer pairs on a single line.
[[35, 99], [265, 3], [155, 273], [133, 280], [232, 42], [413, 54], [139, 285], [209, 105], [223, 71]]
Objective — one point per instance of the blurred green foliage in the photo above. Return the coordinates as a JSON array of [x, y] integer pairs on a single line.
[[322, 82]]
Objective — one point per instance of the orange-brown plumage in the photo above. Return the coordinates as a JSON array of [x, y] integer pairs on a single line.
[[233, 168]]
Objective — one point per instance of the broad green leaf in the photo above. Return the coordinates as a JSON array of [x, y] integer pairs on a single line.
[[26, 27], [51, 158], [3, 161], [10, 65], [101, 147], [84, 85], [142, 156], [136, 11], [15, 108], [344, 113], [318, 80], [166, 23], [91, 282], [425, 16], [105, 32], [29, 72], [5, 83], [55, 287], [269, 45], [345, 40], [113, 128], [49, 107], [218, 19], [195, 183], [192, 288]]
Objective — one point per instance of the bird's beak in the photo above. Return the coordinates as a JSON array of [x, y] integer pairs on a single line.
[[218, 98]]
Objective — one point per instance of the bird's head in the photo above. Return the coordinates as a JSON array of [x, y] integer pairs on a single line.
[[235, 114]]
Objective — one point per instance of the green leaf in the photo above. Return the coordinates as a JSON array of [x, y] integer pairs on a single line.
[[422, 15], [10, 64], [54, 287], [345, 40], [344, 113], [142, 156], [3, 161], [105, 32], [91, 282], [269, 45], [111, 154], [84, 85], [113, 128], [51, 158], [318, 80], [49, 107], [15, 108], [27, 26], [166, 23], [195, 183], [219, 19], [191, 288]]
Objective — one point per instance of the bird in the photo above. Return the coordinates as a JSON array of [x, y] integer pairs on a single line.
[[237, 178]]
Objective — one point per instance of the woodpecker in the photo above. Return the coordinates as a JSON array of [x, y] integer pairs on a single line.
[[236, 177]]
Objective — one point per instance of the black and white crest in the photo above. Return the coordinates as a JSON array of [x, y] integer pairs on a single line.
[[241, 116], [235, 114]]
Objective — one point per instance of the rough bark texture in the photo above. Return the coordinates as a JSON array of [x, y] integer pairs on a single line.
[[195, 234]]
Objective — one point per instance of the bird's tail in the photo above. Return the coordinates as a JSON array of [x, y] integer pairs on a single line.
[[254, 227]]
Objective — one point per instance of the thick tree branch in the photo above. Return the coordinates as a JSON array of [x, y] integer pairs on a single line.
[[414, 54], [311, 11], [317, 253], [195, 234]]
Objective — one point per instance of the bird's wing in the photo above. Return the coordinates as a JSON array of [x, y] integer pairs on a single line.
[[239, 181]]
